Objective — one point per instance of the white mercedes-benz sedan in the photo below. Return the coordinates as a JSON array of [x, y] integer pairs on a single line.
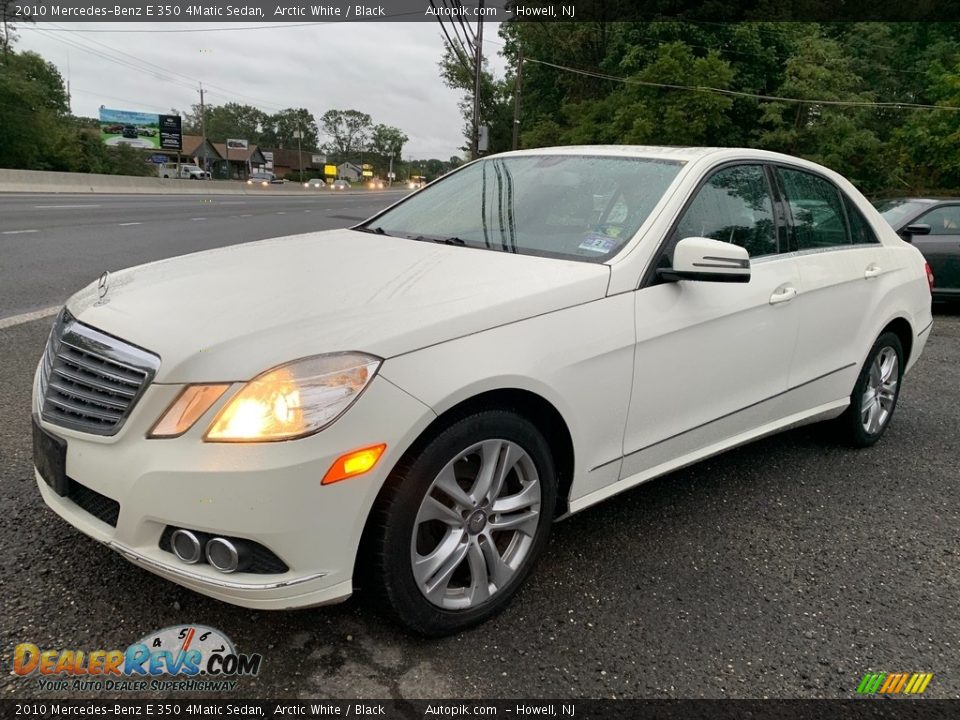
[[409, 404]]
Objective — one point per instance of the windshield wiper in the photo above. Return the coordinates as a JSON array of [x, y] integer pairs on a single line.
[[376, 231], [444, 240]]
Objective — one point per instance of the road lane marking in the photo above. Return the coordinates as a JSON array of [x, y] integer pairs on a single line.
[[281, 212], [17, 232], [129, 224], [195, 219], [247, 215], [62, 207], [28, 317]]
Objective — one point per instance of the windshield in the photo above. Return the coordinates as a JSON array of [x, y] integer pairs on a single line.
[[894, 211], [566, 206]]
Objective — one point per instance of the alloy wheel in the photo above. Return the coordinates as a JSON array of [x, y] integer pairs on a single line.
[[880, 392], [476, 524]]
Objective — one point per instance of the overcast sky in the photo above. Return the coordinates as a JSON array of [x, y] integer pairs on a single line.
[[388, 70]]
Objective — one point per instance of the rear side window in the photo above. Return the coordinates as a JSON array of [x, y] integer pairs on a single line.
[[860, 229], [819, 219]]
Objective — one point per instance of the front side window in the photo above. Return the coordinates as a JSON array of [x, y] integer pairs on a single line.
[[819, 219], [564, 206], [942, 221], [733, 206]]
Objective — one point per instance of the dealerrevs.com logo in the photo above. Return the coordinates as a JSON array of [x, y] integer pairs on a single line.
[[182, 657], [881, 683]]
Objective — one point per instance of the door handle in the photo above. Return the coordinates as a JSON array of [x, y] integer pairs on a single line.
[[784, 293], [872, 271]]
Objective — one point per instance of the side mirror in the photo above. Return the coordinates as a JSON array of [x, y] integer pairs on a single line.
[[915, 229], [699, 258]]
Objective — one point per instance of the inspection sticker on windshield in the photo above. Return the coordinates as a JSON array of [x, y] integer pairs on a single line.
[[598, 243]]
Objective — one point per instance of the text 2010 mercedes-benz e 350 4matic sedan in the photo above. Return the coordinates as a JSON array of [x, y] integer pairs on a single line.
[[413, 401]]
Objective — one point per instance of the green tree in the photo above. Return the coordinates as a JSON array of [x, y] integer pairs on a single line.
[[345, 128], [232, 120], [280, 129], [34, 114]]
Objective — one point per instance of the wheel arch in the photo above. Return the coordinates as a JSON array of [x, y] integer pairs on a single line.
[[902, 328], [541, 412]]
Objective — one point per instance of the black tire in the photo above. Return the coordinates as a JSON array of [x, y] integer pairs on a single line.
[[388, 574], [852, 420]]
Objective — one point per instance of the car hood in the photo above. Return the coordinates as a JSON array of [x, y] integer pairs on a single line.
[[231, 313]]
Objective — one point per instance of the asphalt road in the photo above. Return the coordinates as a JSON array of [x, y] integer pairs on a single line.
[[787, 568], [52, 245]]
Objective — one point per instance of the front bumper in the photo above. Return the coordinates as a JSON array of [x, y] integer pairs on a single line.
[[269, 493]]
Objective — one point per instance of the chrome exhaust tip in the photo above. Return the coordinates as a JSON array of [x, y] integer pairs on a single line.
[[187, 546], [227, 556]]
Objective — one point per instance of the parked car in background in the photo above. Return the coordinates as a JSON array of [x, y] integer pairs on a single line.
[[412, 401], [340, 185], [316, 184], [129, 131], [113, 129], [932, 225]]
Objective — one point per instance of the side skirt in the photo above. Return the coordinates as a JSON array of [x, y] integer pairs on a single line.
[[823, 412]]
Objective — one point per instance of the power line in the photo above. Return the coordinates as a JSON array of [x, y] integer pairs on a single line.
[[124, 63], [737, 93], [153, 69]]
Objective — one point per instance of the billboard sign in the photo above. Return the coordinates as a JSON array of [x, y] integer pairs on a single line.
[[171, 136], [237, 144], [139, 129], [329, 169]]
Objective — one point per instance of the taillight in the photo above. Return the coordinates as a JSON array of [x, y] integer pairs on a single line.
[[929, 276]]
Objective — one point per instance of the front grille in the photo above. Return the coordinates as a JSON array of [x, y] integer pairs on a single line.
[[90, 381], [100, 506], [262, 560]]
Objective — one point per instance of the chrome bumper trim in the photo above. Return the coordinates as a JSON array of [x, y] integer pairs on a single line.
[[152, 564]]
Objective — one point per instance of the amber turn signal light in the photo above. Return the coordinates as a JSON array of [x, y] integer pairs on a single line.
[[353, 463]]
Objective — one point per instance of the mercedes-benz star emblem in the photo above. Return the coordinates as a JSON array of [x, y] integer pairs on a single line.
[[103, 286]]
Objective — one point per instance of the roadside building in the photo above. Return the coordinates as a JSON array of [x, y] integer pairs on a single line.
[[242, 162], [287, 163]]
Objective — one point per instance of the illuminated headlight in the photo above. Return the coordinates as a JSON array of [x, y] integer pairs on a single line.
[[306, 185], [294, 400]]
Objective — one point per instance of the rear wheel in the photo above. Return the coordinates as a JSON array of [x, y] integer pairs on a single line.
[[460, 525], [876, 393]]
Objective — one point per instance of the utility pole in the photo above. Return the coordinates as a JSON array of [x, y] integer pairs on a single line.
[[517, 89], [299, 152], [203, 129], [478, 75]]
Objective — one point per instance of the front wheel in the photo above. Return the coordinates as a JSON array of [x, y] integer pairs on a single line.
[[876, 392], [460, 525]]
